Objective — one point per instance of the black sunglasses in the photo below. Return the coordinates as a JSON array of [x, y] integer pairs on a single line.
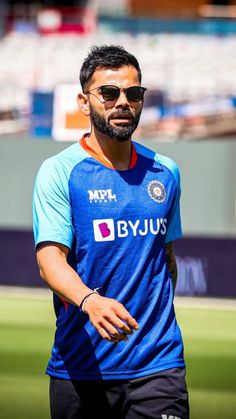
[[111, 93]]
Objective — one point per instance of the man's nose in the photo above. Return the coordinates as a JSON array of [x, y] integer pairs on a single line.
[[122, 100]]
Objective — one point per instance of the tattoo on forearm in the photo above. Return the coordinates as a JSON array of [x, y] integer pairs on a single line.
[[171, 262]]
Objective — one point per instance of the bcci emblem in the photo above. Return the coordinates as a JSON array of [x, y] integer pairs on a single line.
[[157, 191]]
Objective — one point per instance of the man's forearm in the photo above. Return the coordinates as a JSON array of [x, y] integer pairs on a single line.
[[59, 275], [171, 262], [110, 318]]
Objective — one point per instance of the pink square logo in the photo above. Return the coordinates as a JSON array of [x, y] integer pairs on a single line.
[[104, 230]]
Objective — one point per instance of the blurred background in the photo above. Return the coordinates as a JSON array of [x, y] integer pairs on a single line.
[[187, 53]]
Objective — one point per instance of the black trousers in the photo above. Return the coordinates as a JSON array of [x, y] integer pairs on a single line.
[[158, 396]]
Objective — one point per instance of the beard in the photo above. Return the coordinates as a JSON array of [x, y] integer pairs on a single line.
[[119, 133]]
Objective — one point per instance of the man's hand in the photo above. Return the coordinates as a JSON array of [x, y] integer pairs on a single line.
[[110, 318]]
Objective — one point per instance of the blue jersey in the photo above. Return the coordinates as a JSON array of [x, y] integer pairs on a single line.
[[116, 224]]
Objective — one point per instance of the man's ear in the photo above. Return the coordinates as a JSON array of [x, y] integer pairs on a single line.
[[83, 103]]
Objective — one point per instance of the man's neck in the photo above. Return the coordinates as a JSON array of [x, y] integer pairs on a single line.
[[118, 154]]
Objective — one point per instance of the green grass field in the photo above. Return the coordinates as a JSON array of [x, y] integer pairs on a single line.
[[26, 335]]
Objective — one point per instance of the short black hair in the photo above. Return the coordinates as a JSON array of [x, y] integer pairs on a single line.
[[106, 56]]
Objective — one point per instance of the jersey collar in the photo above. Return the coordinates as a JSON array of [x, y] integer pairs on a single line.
[[100, 158]]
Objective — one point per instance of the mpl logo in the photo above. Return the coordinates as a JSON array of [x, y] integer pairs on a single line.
[[101, 195], [104, 230]]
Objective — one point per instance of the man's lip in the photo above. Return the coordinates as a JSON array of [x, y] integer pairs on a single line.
[[123, 119]]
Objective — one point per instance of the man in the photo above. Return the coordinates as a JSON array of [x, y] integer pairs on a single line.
[[106, 212]]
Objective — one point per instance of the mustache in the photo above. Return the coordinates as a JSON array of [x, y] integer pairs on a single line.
[[121, 114]]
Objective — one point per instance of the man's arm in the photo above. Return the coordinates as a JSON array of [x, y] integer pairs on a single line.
[[110, 318], [171, 262]]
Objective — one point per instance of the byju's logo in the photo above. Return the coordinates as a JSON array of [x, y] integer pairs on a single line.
[[101, 195], [104, 230], [170, 417], [107, 230]]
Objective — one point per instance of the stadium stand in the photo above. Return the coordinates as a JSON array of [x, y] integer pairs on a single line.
[[186, 68]]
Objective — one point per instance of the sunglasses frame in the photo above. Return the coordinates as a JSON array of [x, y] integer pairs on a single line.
[[118, 89]]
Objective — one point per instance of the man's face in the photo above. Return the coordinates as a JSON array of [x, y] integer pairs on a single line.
[[118, 118]]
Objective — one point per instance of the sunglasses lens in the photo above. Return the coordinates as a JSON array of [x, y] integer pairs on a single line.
[[110, 92], [135, 93]]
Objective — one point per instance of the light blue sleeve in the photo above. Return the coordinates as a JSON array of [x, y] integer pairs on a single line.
[[52, 220], [174, 230]]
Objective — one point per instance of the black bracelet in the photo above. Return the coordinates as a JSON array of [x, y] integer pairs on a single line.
[[85, 298]]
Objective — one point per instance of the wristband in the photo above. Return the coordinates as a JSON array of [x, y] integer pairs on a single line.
[[85, 298]]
